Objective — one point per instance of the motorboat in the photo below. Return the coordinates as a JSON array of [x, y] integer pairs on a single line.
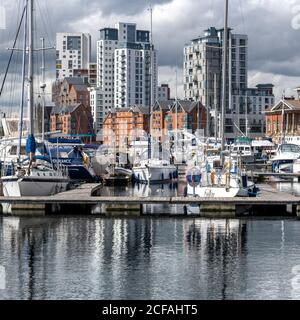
[[243, 151], [284, 158], [154, 170]]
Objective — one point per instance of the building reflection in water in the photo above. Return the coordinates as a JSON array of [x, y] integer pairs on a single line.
[[141, 258], [144, 191]]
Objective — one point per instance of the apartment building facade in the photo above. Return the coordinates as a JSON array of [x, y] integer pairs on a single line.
[[122, 125], [72, 120], [248, 111], [126, 66], [203, 67], [97, 108], [163, 92], [70, 91], [73, 52]]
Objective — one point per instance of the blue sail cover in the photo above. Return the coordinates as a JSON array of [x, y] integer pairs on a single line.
[[30, 144]]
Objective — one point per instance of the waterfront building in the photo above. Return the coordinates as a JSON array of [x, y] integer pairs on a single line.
[[70, 91], [119, 124], [203, 65], [163, 92], [248, 111], [190, 116], [123, 125], [283, 120], [72, 120], [73, 52], [125, 62], [92, 75], [97, 108]]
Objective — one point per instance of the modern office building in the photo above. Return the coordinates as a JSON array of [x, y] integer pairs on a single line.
[[73, 52], [126, 66]]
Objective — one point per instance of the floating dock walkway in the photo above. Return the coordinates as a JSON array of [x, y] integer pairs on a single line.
[[87, 196]]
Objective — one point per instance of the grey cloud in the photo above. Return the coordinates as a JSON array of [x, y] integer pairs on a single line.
[[273, 44]]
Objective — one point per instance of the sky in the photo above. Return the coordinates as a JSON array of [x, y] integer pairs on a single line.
[[273, 28]]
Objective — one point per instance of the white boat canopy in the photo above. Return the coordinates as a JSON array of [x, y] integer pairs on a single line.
[[262, 143]]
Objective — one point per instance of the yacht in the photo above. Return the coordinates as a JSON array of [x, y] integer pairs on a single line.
[[244, 151], [284, 158], [154, 170], [292, 139], [36, 179], [227, 178], [33, 176], [228, 182]]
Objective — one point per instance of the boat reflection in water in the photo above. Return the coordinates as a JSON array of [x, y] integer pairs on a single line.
[[288, 187], [148, 258], [144, 191]]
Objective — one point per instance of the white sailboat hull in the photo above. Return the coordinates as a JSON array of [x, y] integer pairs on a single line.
[[296, 167], [26, 186], [154, 174], [213, 192]]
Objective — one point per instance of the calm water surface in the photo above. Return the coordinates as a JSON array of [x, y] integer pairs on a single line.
[[149, 258], [96, 258]]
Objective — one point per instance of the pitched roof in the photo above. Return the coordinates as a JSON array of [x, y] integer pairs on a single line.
[[290, 104], [65, 109], [80, 87], [141, 109], [56, 109], [165, 105], [187, 105], [74, 80]]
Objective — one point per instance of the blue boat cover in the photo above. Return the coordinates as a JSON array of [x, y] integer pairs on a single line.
[[30, 144]]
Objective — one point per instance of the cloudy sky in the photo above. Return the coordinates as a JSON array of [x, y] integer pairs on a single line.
[[273, 27]]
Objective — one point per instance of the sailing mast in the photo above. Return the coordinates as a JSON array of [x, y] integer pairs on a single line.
[[151, 89], [176, 114], [215, 107], [21, 114], [30, 145], [43, 86], [282, 118], [224, 83], [246, 111]]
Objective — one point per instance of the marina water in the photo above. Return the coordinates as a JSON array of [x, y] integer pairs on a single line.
[[93, 257]]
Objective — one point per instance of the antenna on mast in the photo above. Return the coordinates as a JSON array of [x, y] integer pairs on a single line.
[[151, 23], [224, 80], [151, 81]]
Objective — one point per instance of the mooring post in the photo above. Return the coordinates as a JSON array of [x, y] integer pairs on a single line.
[[141, 209], [298, 211]]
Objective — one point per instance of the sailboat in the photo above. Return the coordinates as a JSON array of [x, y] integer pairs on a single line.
[[34, 176], [226, 179], [153, 169]]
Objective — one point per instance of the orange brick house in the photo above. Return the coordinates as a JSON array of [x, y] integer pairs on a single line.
[[72, 120], [283, 119], [159, 112], [191, 115], [70, 91], [120, 124]]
